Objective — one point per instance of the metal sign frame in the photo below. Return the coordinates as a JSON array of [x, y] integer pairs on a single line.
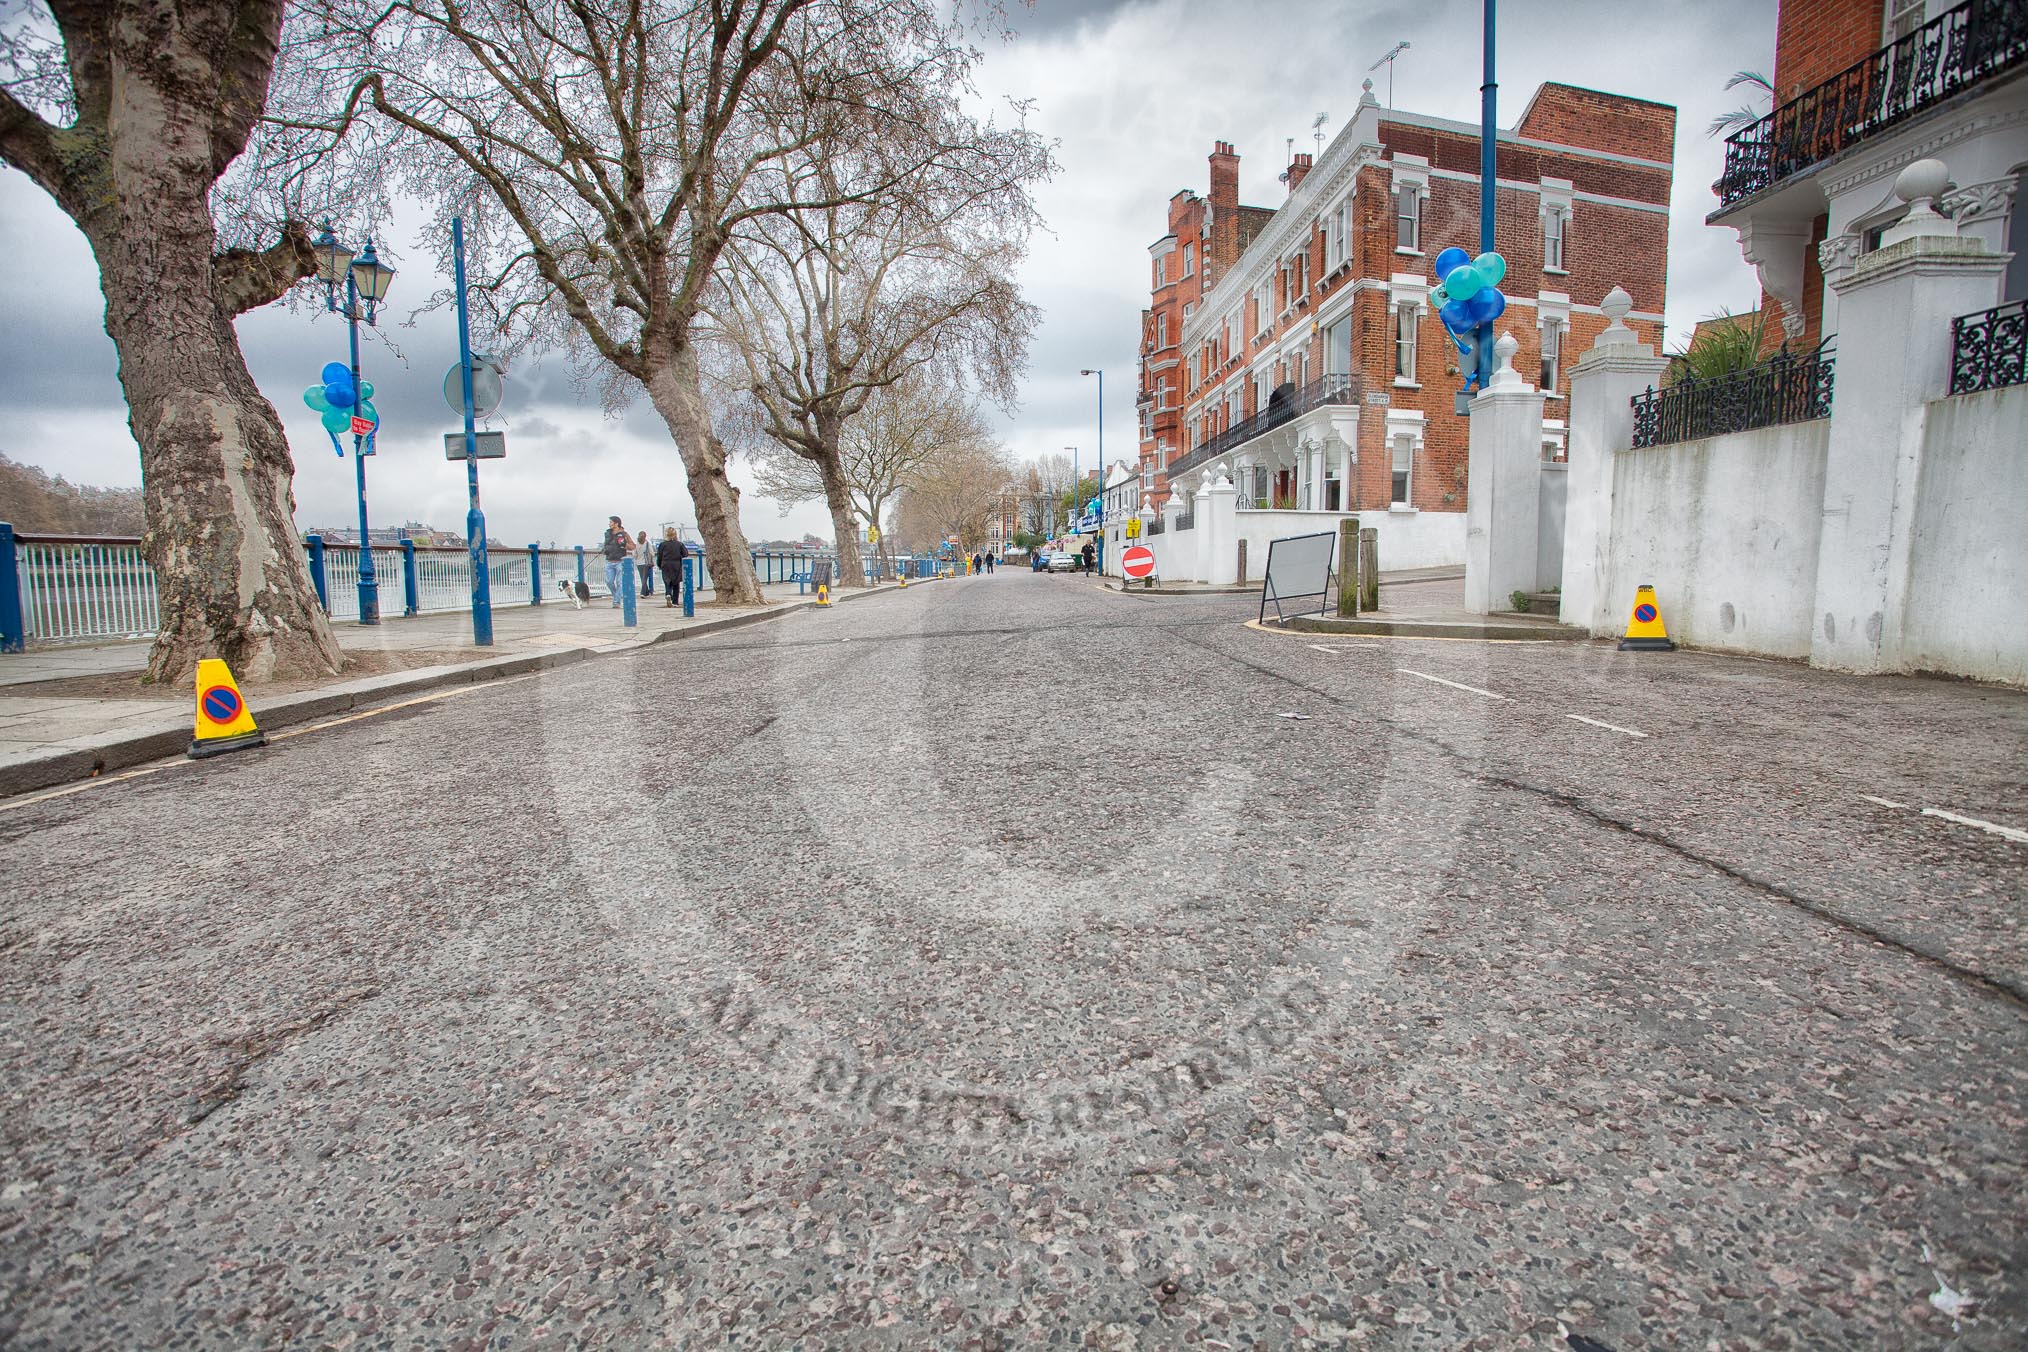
[[1269, 593]]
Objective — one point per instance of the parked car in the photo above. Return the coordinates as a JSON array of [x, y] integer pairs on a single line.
[[1064, 562]]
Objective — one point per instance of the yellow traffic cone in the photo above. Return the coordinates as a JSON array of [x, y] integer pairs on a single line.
[[823, 594], [223, 721], [1645, 631]]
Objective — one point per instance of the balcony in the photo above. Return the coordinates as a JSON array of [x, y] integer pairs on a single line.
[[1317, 394], [1943, 58]]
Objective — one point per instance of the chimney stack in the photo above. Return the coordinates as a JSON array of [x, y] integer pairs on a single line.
[[1224, 251], [1299, 167]]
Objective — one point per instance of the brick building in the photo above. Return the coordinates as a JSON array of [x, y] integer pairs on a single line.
[[1862, 88], [1295, 349]]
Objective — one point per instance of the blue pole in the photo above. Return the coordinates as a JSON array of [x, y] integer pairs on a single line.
[[1489, 98], [369, 587], [475, 520], [580, 561], [314, 546], [628, 615], [13, 625], [534, 573], [411, 592], [689, 588]]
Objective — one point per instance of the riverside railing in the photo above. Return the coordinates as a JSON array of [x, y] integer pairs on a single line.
[[65, 588]]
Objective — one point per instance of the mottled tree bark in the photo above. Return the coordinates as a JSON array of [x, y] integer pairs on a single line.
[[167, 95], [676, 389]]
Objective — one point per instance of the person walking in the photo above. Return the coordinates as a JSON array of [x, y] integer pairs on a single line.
[[644, 559], [991, 560], [618, 551], [1090, 555], [669, 558]]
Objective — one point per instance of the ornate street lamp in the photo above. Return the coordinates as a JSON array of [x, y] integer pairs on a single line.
[[366, 279], [1101, 462]]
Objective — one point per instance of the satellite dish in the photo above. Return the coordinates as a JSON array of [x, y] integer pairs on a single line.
[[487, 388]]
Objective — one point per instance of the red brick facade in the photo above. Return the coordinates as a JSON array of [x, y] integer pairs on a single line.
[[1815, 39], [1599, 160]]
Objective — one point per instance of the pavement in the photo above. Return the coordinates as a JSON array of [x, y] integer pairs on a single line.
[[1015, 964], [51, 733]]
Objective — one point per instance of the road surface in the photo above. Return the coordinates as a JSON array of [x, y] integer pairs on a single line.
[[1011, 963]]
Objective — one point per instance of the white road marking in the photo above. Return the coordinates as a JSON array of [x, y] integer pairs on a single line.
[[1991, 828], [1609, 727], [1322, 649], [1977, 823], [1455, 685]]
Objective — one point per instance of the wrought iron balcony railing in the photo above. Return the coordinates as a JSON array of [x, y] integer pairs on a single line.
[[1339, 389], [1990, 349], [1784, 389], [1948, 54]]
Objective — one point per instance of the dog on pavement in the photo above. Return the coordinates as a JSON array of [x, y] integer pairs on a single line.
[[576, 591]]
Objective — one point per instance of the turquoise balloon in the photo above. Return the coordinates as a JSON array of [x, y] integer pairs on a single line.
[[336, 420], [365, 390], [369, 412], [1491, 267], [1464, 282], [314, 397], [1438, 297]]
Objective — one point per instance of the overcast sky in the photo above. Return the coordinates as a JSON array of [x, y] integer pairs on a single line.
[[1135, 91]]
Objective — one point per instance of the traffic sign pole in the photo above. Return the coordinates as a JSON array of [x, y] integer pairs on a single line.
[[475, 520]]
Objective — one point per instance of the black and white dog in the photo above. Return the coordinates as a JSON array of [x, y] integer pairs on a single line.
[[576, 591]]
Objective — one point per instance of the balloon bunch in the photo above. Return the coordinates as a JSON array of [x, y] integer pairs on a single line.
[[1469, 294], [339, 400]]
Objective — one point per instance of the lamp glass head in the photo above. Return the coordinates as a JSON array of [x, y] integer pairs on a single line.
[[333, 258], [370, 275]]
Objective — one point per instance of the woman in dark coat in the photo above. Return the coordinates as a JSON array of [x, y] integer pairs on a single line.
[[669, 558]]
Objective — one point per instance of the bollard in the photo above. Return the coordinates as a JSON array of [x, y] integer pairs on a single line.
[[629, 616], [580, 562], [689, 588], [1369, 568], [313, 545], [1242, 563], [535, 574], [1348, 567], [13, 621], [411, 591]]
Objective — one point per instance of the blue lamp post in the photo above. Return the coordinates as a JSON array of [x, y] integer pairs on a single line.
[[366, 280], [1101, 462]]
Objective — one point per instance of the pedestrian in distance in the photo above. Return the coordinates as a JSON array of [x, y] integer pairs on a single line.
[[619, 555], [644, 559], [991, 560], [1090, 555], [669, 558]]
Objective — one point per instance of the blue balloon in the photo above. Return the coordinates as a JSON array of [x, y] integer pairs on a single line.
[[336, 370], [1488, 306], [1457, 316], [1452, 257], [1463, 282], [340, 393]]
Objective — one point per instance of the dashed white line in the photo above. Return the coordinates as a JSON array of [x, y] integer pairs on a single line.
[[1455, 685], [1609, 727], [1977, 823], [1991, 828], [1321, 648]]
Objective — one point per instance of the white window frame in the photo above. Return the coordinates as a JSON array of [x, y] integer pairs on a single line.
[[1408, 174], [1190, 260], [1555, 210], [1407, 221], [1552, 311], [1161, 331], [1406, 292], [1405, 317], [1552, 357], [1404, 441]]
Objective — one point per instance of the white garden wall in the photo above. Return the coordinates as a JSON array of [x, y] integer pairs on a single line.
[[1967, 607], [1725, 529]]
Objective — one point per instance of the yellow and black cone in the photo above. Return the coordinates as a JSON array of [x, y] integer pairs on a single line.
[[1645, 632], [823, 594], [223, 721], [904, 581]]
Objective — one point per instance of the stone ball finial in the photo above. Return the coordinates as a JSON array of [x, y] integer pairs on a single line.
[[1366, 99], [1504, 349], [1617, 304], [1924, 179]]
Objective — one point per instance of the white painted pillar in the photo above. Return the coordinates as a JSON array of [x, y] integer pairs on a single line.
[[1348, 461], [1172, 508], [1221, 533], [1894, 350], [1603, 384], [1503, 486], [1201, 516]]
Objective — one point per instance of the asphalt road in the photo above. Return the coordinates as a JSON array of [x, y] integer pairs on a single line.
[[1010, 963]]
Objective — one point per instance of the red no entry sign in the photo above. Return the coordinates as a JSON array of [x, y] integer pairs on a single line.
[[1138, 562]]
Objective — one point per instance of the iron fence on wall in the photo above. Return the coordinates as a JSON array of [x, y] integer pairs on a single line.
[[1990, 349], [1784, 389]]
